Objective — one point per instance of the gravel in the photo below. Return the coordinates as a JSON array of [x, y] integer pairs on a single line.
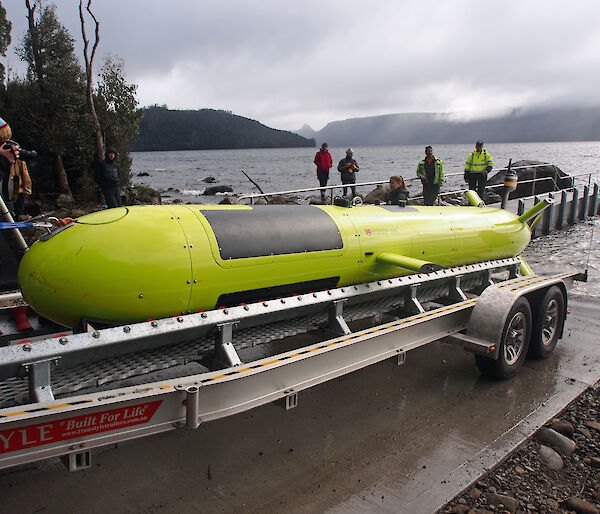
[[527, 481]]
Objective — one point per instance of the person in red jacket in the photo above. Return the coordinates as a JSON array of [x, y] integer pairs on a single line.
[[324, 163]]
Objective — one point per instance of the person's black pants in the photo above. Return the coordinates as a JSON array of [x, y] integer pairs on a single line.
[[349, 178], [323, 177], [430, 193], [112, 195], [477, 183]]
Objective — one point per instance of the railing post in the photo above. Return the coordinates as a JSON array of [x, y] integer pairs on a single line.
[[520, 207], [562, 209], [594, 205], [574, 206], [583, 213], [535, 229], [548, 216]]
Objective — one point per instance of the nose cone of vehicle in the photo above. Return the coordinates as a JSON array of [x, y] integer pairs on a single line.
[[117, 265]]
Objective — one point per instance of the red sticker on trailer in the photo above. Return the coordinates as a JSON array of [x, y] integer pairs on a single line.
[[78, 426]]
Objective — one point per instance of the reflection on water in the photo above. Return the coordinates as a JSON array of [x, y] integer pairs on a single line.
[[569, 249]]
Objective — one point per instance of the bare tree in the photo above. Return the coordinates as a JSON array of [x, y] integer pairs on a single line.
[[49, 33], [89, 63]]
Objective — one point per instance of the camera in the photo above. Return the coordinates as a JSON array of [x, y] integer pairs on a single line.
[[24, 155]]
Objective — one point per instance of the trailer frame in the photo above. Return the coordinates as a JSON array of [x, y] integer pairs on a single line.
[[443, 304]]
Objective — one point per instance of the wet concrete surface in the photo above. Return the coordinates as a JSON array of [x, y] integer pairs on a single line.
[[387, 438]]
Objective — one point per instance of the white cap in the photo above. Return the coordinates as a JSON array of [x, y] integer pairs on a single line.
[[349, 151]]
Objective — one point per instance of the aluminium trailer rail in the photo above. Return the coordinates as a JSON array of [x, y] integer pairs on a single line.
[[68, 420]]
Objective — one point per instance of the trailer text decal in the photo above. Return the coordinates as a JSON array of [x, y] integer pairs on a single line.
[[78, 426]]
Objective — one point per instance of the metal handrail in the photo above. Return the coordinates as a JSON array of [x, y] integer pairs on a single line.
[[331, 188]]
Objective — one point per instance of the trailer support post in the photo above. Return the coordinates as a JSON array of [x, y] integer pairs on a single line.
[[411, 302], [337, 323], [455, 292], [40, 387], [224, 350]]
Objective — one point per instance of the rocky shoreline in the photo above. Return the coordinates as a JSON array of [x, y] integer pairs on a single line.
[[555, 471]]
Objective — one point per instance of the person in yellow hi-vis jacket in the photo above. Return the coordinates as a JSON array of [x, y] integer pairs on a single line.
[[478, 165]]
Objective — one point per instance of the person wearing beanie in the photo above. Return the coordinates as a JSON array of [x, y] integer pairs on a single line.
[[430, 170], [479, 164], [106, 173], [348, 168], [13, 171]]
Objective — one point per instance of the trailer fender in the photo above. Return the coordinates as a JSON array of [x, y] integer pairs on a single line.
[[493, 306]]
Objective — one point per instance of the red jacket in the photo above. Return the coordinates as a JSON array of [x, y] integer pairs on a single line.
[[323, 161]]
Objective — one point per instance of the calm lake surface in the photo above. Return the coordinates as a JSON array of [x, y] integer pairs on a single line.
[[281, 169], [180, 176]]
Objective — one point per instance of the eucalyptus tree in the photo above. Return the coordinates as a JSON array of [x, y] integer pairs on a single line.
[[117, 108], [57, 101], [5, 28]]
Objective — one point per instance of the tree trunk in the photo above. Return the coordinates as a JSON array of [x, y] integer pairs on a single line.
[[61, 175], [89, 66]]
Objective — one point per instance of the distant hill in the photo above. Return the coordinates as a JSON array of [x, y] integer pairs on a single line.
[[558, 124], [208, 129], [306, 131]]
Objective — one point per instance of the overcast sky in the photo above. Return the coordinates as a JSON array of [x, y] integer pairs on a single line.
[[288, 63]]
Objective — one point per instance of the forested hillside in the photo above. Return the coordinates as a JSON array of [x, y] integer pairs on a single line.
[[206, 129]]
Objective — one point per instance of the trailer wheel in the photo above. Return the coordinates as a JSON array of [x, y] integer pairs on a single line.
[[548, 323], [514, 343]]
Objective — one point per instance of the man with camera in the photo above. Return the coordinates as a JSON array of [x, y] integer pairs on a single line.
[[16, 182], [9, 153], [106, 173]]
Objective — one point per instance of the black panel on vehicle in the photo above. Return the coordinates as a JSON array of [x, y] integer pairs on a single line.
[[269, 293], [272, 230]]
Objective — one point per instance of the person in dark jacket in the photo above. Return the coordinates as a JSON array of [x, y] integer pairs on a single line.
[[324, 163], [106, 173], [431, 172], [348, 169], [397, 192], [7, 157]]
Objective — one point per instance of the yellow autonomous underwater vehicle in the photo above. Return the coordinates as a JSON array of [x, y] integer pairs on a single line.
[[136, 263]]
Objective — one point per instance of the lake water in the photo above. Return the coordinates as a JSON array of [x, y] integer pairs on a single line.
[[292, 168], [281, 169]]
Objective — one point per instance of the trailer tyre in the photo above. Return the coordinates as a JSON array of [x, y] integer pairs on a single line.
[[514, 343], [548, 323]]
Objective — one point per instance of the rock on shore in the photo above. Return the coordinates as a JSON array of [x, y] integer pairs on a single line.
[[531, 480]]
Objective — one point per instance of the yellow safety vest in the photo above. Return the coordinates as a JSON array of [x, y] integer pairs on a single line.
[[478, 162]]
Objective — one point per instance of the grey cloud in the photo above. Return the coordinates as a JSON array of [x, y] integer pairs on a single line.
[[286, 64]]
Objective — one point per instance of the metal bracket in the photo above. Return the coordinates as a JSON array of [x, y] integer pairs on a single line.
[[39, 375], [455, 292], [78, 460], [401, 358], [486, 280], [411, 302], [513, 271], [224, 350], [337, 323], [291, 400]]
